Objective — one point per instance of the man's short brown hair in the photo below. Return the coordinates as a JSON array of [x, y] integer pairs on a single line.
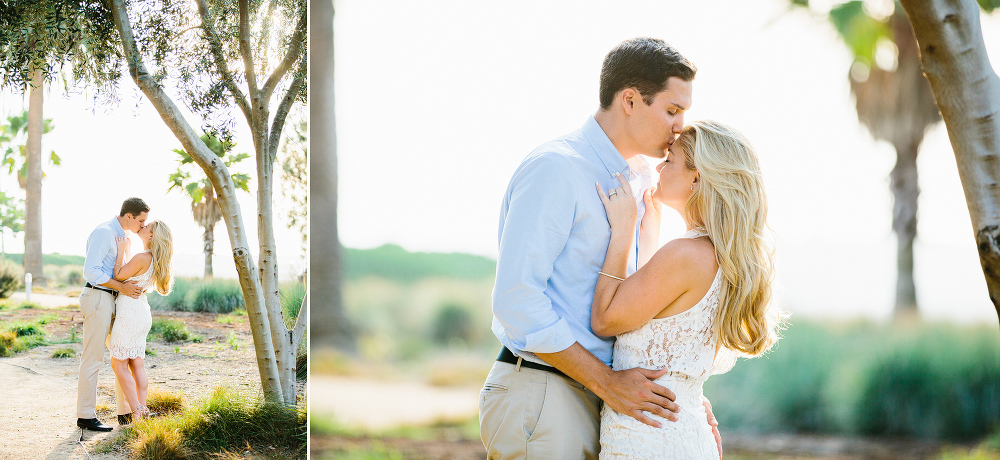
[[133, 206], [644, 64]]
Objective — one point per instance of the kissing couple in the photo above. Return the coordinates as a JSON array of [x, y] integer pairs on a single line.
[[115, 310], [608, 337]]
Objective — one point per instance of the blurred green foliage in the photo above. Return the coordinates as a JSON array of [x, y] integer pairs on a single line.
[[221, 296], [395, 263], [925, 381], [453, 323], [10, 278], [49, 259]]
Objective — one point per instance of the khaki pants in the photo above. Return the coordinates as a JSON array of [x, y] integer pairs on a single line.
[[98, 309], [534, 414]]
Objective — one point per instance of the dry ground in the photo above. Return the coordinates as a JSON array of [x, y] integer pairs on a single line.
[[38, 392]]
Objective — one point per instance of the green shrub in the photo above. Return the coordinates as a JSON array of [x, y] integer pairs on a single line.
[[453, 322], [74, 277], [217, 296], [171, 330], [929, 381], [64, 353], [11, 275], [937, 382], [25, 329]]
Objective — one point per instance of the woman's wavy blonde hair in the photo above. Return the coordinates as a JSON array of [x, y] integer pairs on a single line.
[[161, 246], [730, 204]]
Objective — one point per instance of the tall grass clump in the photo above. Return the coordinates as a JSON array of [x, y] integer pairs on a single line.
[[227, 420], [936, 382], [10, 278], [291, 295]]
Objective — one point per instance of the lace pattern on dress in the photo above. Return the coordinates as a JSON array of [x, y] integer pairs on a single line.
[[686, 344], [132, 321]]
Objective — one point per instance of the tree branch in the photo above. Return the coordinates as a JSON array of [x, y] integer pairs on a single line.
[[220, 59], [282, 112], [244, 40], [291, 56]]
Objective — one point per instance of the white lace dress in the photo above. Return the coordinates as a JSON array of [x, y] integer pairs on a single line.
[[132, 321], [684, 343]]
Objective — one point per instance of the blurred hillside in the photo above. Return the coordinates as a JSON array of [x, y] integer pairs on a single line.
[[395, 263], [49, 259]]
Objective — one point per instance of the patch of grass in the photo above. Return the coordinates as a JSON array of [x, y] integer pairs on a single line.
[[172, 331], [229, 319], [291, 301], [63, 353], [150, 352], [11, 275], [233, 340], [225, 423], [164, 402], [217, 296], [20, 336], [979, 453]]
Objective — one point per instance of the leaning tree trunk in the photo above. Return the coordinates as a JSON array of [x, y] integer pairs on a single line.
[[33, 189], [967, 91], [330, 326], [905, 191], [219, 175]]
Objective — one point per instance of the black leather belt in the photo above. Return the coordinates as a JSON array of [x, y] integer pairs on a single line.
[[113, 292], [506, 356]]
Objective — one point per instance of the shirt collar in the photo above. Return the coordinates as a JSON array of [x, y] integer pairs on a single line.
[[606, 151], [117, 226]]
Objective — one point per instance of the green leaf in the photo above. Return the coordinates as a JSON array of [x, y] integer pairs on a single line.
[[192, 187], [198, 194], [989, 5], [54, 158], [859, 31]]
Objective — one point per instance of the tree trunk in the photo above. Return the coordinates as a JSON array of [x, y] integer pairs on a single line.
[[967, 91], [218, 174], [330, 326], [33, 191], [209, 242], [905, 190]]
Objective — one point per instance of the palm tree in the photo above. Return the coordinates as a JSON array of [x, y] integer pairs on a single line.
[[26, 160], [204, 207], [330, 326], [895, 103]]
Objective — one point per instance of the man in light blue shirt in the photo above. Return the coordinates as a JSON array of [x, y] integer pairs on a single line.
[[97, 302], [543, 396]]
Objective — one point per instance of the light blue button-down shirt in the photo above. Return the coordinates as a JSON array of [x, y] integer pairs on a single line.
[[102, 252], [554, 236]]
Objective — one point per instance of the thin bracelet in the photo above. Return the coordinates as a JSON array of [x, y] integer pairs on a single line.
[[612, 276]]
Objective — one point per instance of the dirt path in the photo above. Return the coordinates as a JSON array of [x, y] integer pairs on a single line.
[[38, 393], [377, 404]]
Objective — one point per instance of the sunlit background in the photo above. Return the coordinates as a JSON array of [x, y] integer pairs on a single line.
[[110, 152], [438, 103]]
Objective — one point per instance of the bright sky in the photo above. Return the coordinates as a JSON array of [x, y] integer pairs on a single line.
[[438, 102], [111, 153]]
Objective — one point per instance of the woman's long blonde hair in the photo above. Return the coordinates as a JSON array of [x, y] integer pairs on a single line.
[[729, 202], [161, 246]]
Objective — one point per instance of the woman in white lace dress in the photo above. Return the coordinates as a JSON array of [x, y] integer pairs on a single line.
[[127, 341], [698, 300]]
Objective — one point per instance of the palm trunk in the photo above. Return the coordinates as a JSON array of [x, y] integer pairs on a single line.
[[967, 91], [905, 190], [330, 326], [33, 195], [209, 242]]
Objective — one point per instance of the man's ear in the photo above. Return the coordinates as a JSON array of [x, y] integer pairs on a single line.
[[628, 97]]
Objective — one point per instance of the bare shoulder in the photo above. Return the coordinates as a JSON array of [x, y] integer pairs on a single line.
[[687, 257], [143, 258]]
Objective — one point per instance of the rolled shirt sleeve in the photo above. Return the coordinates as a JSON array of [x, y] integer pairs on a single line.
[[98, 245], [536, 221]]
